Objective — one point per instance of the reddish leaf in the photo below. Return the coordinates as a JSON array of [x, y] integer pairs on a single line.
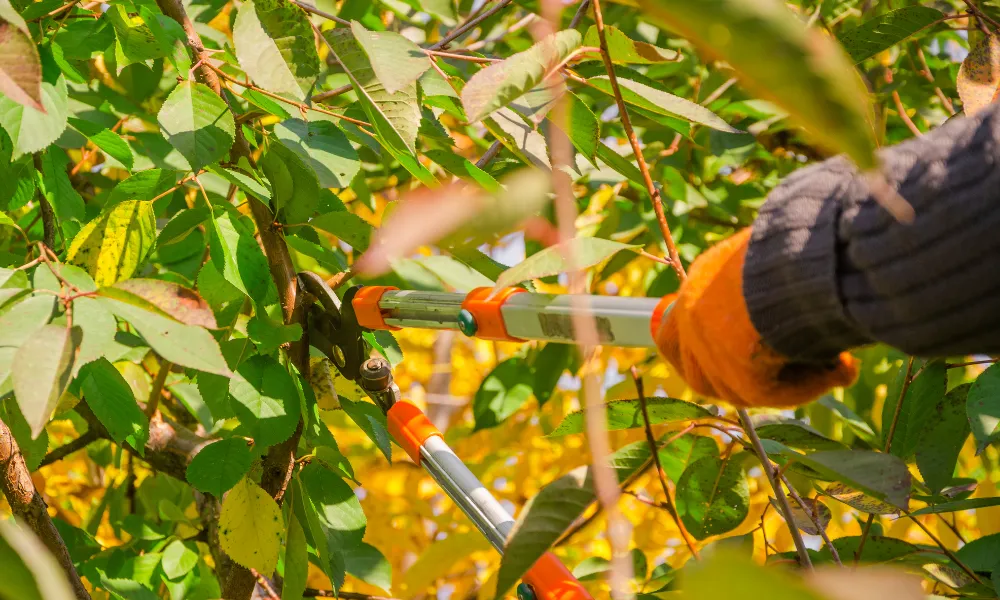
[[168, 298], [20, 67]]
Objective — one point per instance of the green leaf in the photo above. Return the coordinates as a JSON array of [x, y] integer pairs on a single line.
[[322, 146], [198, 123], [250, 184], [126, 589], [349, 227], [797, 435], [20, 66], [166, 297], [623, 166], [627, 414], [582, 126], [881, 475], [728, 570], [237, 255], [108, 141], [713, 496], [548, 367], [507, 387], [522, 139], [113, 246], [294, 187], [766, 43], [41, 371], [266, 400], [338, 508], [219, 466], [877, 549], [625, 50], [501, 83], [397, 61], [887, 30], [99, 328], [369, 565], [957, 506], [330, 554], [395, 116], [33, 450], [983, 407], [942, 438], [663, 103], [925, 392], [296, 561], [136, 41], [30, 570], [372, 421], [460, 167], [452, 272], [586, 252], [859, 500], [678, 454], [144, 185], [981, 554], [19, 324], [181, 344], [178, 559], [275, 46], [251, 527], [113, 402], [542, 520], [55, 185], [32, 130]]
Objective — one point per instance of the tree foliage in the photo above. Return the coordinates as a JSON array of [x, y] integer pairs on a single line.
[[166, 168]]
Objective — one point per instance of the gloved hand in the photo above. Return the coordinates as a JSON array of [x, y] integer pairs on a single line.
[[709, 339]]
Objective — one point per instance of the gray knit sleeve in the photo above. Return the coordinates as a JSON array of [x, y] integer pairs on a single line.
[[828, 269]]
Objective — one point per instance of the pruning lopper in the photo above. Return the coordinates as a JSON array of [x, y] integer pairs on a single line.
[[336, 327]]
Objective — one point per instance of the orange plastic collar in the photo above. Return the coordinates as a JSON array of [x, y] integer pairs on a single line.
[[366, 308], [551, 580], [410, 427], [484, 304]]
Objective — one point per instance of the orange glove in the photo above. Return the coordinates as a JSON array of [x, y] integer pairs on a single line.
[[708, 337]]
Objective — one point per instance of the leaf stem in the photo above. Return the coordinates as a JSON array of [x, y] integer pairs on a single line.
[[813, 516], [321, 13], [661, 474], [654, 194], [156, 391], [469, 24]]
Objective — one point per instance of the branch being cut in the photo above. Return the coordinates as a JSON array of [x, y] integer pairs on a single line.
[[27, 504]]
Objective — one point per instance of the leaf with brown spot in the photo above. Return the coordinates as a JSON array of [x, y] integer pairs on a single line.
[[859, 500], [20, 67], [803, 516], [164, 297], [978, 80]]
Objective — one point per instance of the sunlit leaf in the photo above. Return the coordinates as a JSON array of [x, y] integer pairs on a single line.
[[108, 141], [324, 147], [884, 31], [978, 80], [664, 103], [942, 439], [627, 414], [924, 393], [198, 123], [32, 130], [41, 372], [113, 246], [296, 561], [397, 61], [501, 83], [265, 400], [170, 299], [983, 407], [238, 257], [582, 253], [30, 570], [522, 139], [18, 324], [178, 559], [113, 402], [764, 42], [625, 50], [275, 46], [881, 475], [729, 569], [294, 186], [504, 390], [251, 528]]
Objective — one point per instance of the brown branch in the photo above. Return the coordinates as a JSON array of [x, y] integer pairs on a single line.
[[332, 93], [654, 193], [814, 517], [661, 474], [311, 593], [489, 155], [772, 478], [29, 506], [45, 210], [69, 448], [469, 24], [324, 14], [578, 16]]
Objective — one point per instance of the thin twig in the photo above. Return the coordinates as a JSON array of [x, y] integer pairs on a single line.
[[578, 16], [263, 582], [89, 437], [813, 516], [979, 13], [489, 155], [469, 24], [661, 474], [324, 14], [528, 18], [772, 478], [332, 93], [465, 57], [926, 72], [944, 548], [971, 362], [654, 193], [907, 378]]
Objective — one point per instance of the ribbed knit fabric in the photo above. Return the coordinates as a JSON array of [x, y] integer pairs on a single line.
[[829, 269]]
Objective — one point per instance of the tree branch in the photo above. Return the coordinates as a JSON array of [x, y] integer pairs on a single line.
[[472, 22], [45, 209], [69, 448], [28, 505]]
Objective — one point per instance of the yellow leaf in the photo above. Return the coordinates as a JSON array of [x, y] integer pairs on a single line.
[[113, 246], [321, 381], [440, 558], [251, 527]]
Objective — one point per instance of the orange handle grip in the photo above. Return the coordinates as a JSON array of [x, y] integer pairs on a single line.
[[410, 427], [484, 305], [551, 580]]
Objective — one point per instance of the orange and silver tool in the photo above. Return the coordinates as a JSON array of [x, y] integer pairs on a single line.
[[510, 314], [334, 329]]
